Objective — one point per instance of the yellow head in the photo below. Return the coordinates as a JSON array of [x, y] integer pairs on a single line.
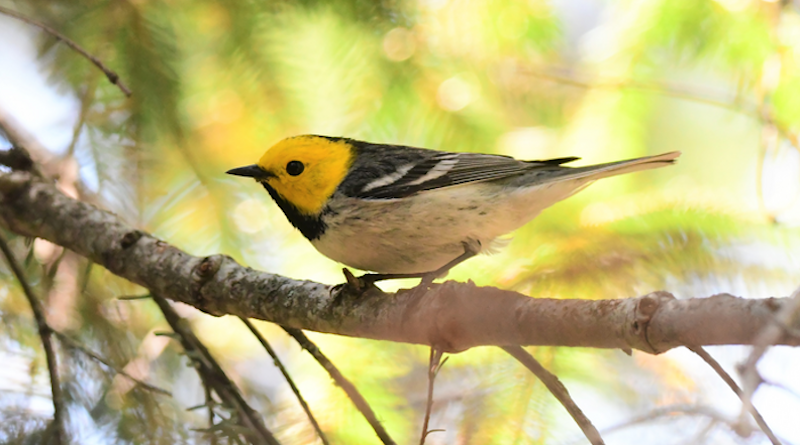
[[303, 170]]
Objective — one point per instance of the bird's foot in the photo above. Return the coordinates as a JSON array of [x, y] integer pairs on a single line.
[[356, 285], [367, 281]]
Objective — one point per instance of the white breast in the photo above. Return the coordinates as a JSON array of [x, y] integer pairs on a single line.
[[425, 231]]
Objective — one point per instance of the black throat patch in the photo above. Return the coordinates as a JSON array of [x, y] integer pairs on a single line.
[[312, 227]]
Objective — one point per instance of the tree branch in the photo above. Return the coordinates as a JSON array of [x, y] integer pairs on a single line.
[[289, 380], [451, 316], [19, 156], [46, 334], [213, 375], [70, 343], [758, 111], [435, 364], [112, 76], [700, 351], [28, 154], [558, 390], [778, 328], [346, 385], [670, 411]]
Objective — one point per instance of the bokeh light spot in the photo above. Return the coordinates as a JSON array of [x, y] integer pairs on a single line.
[[527, 142], [399, 44], [734, 5], [455, 93]]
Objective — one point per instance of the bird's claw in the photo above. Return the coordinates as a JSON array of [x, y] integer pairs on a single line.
[[359, 285]]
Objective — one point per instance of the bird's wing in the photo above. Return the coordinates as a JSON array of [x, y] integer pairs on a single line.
[[444, 169]]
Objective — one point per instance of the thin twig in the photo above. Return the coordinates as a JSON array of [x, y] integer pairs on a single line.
[[19, 157], [351, 391], [98, 358], [657, 413], [288, 378], [761, 113], [134, 297], [669, 411], [28, 154], [701, 435], [434, 364], [699, 350], [770, 335], [679, 92], [112, 76], [86, 104], [558, 390], [46, 334], [210, 405], [213, 375]]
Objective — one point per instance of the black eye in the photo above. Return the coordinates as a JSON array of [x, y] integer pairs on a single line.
[[294, 168]]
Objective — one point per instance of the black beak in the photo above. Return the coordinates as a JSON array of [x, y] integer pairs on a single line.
[[250, 171]]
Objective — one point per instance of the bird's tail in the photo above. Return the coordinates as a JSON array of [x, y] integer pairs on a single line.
[[599, 171]]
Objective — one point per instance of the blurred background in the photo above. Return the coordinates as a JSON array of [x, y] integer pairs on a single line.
[[215, 83]]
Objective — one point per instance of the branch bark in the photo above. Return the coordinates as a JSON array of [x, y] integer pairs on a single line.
[[451, 316]]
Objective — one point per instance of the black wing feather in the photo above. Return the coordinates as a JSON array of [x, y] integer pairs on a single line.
[[461, 168]]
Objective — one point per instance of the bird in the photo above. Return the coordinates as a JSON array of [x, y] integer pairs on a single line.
[[405, 212]]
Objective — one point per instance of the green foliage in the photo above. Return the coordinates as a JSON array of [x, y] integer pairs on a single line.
[[215, 83]]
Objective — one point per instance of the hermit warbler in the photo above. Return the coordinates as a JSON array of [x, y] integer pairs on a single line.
[[412, 212]]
